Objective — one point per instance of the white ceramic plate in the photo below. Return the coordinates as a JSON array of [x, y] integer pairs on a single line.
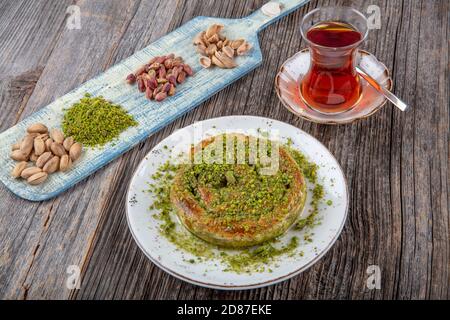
[[164, 254]]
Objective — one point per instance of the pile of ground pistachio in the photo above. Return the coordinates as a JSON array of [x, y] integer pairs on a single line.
[[255, 259], [94, 121]]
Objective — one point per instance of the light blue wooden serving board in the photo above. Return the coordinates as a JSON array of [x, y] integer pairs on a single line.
[[150, 115]]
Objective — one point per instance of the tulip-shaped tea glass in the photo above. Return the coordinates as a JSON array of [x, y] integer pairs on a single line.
[[333, 35]]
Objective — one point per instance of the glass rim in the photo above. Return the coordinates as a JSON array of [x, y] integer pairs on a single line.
[[353, 45]]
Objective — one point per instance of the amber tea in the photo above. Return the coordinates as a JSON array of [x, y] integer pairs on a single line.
[[332, 84]]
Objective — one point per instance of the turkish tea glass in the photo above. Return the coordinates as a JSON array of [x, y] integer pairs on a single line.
[[333, 35]]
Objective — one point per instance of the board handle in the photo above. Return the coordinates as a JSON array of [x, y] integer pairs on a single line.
[[259, 19]]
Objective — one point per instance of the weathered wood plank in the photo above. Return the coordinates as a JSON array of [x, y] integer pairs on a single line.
[[26, 40]]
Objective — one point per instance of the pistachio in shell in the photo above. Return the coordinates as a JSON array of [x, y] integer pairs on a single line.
[[39, 146], [75, 151], [68, 142], [18, 155], [65, 163], [43, 159], [243, 48], [15, 146], [17, 171], [37, 128], [37, 178], [213, 29], [52, 165], [205, 62], [27, 145], [28, 172], [48, 144], [57, 149], [33, 156], [57, 136]]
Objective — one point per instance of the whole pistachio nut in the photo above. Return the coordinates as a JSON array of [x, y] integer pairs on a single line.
[[43, 159], [68, 142], [37, 128], [57, 149], [198, 38], [37, 178], [205, 62], [17, 171], [52, 165], [27, 145], [228, 51], [243, 48], [15, 146], [75, 151], [213, 29], [57, 136], [236, 43], [28, 172], [33, 157], [18, 155], [65, 163], [39, 146]]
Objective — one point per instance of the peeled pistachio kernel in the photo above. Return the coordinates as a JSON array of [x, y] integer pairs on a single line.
[[52, 165], [75, 151], [18, 155], [57, 136], [37, 128], [28, 172], [37, 178], [17, 171], [43, 159]]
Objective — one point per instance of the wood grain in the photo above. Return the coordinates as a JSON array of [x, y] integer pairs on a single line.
[[396, 163]]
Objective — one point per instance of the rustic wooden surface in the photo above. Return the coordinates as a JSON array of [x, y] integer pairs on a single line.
[[396, 164]]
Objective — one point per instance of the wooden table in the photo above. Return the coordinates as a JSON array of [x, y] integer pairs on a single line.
[[396, 164]]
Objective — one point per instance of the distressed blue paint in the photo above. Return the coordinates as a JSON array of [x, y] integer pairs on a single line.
[[150, 115]]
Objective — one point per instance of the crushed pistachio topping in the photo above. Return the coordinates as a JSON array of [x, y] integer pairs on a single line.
[[94, 121]]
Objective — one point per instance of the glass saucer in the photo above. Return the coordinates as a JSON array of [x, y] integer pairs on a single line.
[[291, 72]]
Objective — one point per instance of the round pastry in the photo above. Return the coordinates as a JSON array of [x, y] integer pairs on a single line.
[[232, 201]]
